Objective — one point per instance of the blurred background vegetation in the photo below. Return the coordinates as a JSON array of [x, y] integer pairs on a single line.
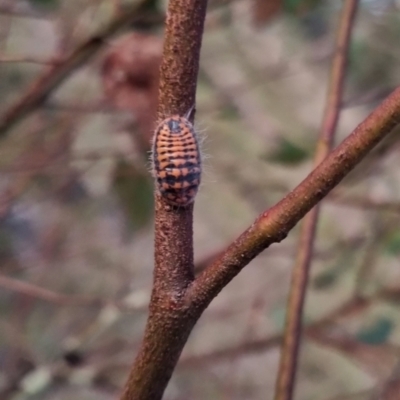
[[76, 200]]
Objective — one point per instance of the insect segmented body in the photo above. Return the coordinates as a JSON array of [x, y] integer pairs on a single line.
[[176, 160]]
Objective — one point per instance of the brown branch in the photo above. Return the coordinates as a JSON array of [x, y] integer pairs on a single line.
[[348, 308], [117, 5], [170, 319], [28, 59], [178, 299], [250, 347], [61, 299], [274, 224], [290, 349], [14, 12], [376, 360], [40, 89], [37, 292], [353, 306], [391, 388]]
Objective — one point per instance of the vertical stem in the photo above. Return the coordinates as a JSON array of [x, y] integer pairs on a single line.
[[170, 319], [289, 358]]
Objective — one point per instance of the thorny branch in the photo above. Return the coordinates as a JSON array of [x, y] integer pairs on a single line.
[[290, 350]]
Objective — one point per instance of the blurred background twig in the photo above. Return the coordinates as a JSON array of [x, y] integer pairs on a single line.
[[299, 281]]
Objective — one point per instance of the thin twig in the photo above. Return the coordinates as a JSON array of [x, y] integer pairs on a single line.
[[117, 5], [376, 360], [14, 12], [29, 59], [353, 306], [391, 388], [61, 299], [38, 92], [28, 289], [290, 349]]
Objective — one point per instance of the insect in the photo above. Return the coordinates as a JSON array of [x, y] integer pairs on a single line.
[[176, 160]]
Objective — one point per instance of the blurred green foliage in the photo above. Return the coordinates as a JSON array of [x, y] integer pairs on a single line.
[[299, 6], [288, 153], [392, 245], [331, 275], [325, 280], [376, 333], [44, 3], [229, 112], [5, 244], [135, 191], [365, 75]]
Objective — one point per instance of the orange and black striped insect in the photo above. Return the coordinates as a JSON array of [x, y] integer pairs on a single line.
[[176, 160]]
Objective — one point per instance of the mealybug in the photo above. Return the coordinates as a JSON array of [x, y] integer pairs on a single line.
[[176, 160]]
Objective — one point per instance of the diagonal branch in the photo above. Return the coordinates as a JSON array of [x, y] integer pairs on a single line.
[[52, 78], [274, 224], [178, 299], [290, 350]]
